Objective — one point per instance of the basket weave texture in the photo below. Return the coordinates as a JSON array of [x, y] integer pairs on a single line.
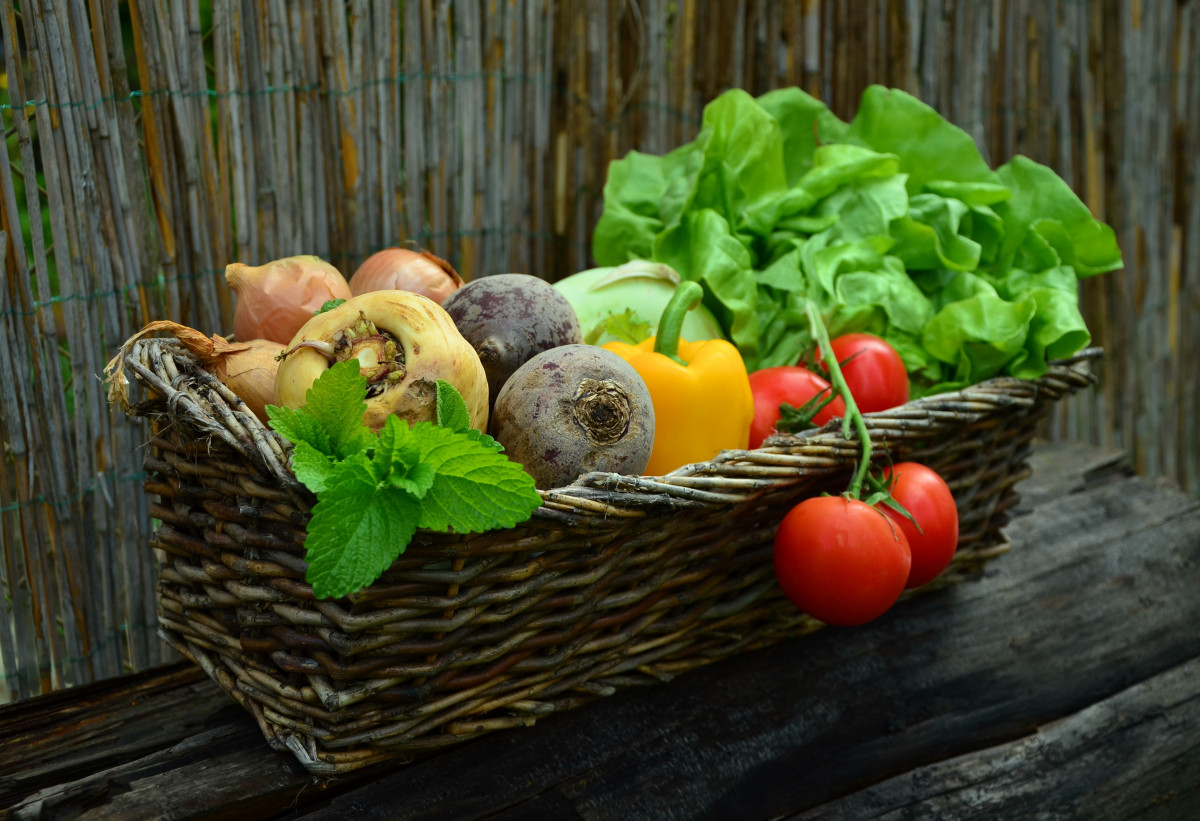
[[615, 581]]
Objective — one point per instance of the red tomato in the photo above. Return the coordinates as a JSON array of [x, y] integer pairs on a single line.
[[876, 376], [786, 383], [840, 560], [924, 494]]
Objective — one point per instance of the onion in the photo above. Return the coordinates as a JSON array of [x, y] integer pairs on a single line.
[[275, 299], [246, 368], [399, 269], [250, 373]]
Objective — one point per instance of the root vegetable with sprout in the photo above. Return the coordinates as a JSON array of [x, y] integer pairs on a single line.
[[403, 342]]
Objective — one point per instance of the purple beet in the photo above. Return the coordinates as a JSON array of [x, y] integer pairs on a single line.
[[508, 319], [572, 410]]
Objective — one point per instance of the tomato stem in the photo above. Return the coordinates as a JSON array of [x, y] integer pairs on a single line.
[[853, 415]]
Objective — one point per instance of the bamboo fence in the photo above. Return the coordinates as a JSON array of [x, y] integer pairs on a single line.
[[161, 140]]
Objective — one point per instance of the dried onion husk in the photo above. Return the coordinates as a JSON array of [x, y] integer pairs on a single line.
[[246, 368], [400, 269], [275, 299]]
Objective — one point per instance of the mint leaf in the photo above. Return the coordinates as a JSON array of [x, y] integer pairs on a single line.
[[396, 450], [452, 413], [312, 467], [417, 480], [336, 402], [357, 529], [451, 409], [297, 425], [474, 489], [331, 419], [397, 459]]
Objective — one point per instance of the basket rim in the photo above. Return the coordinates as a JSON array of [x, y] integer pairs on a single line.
[[184, 388]]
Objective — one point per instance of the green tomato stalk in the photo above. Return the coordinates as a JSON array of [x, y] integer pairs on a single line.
[[853, 415]]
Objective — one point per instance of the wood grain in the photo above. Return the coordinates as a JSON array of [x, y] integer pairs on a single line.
[[1140, 749]]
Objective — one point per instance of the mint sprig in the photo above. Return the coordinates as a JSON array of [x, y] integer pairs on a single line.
[[452, 413], [375, 490]]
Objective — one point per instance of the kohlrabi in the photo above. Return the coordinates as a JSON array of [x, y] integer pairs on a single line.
[[624, 303]]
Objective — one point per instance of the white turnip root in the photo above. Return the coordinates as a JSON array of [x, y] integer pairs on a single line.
[[404, 343]]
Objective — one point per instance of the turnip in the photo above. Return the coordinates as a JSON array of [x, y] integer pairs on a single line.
[[509, 318], [575, 409], [404, 343]]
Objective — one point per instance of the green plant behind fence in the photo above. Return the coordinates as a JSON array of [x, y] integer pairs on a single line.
[[154, 143]]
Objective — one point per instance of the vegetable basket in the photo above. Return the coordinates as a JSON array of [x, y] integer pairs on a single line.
[[616, 581]]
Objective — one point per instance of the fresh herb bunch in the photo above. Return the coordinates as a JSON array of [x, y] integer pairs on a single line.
[[374, 491]]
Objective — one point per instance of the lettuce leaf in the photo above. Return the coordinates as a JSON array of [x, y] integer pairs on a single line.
[[892, 223], [930, 148], [703, 248]]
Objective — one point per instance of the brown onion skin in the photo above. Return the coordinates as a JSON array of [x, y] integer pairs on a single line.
[[250, 374], [406, 270], [274, 300]]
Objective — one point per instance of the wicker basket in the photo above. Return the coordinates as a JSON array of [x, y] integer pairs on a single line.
[[616, 581]]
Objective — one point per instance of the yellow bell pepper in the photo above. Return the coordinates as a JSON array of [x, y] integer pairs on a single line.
[[700, 390]]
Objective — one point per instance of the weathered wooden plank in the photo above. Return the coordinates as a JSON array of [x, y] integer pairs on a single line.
[[1061, 468], [76, 732], [1089, 617], [220, 761], [103, 751], [1134, 755]]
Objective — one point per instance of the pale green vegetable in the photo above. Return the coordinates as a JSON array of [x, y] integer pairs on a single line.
[[891, 224], [625, 302]]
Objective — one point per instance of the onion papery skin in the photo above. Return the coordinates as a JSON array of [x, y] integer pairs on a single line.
[[274, 300], [250, 373], [402, 269], [246, 368], [431, 346]]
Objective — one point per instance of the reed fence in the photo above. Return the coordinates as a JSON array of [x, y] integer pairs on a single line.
[[150, 143]]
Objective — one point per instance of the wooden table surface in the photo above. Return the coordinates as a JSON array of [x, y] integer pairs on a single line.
[[1064, 684]]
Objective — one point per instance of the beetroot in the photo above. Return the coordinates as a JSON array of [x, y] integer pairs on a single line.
[[509, 318], [575, 409]]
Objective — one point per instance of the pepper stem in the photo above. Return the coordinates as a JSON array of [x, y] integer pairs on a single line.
[[687, 296], [853, 414]]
